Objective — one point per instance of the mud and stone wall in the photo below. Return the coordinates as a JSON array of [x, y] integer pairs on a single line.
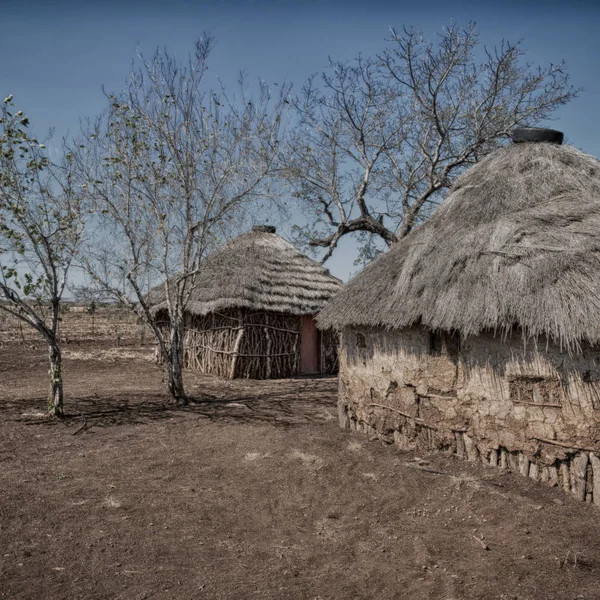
[[530, 408]]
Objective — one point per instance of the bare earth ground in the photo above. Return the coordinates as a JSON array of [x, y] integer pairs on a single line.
[[255, 493]]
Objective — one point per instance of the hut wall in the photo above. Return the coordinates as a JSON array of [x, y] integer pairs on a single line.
[[241, 343], [329, 341], [249, 344], [535, 411]]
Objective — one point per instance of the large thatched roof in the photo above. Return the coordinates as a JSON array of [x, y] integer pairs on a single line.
[[258, 270], [517, 243]]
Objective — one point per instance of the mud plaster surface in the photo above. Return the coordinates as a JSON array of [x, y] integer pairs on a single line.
[[483, 398]]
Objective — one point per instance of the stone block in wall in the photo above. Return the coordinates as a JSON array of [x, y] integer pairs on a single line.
[[509, 438], [552, 476], [513, 462], [493, 460], [519, 413], [460, 444], [578, 475], [343, 418], [401, 440], [564, 477], [503, 411], [534, 471], [523, 462], [470, 448], [589, 483], [542, 430], [503, 462], [422, 388], [398, 439], [406, 396], [595, 461]]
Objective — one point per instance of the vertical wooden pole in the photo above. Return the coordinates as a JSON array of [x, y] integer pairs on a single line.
[[321, 357], [268, 338], [236, 347], [296, 348]]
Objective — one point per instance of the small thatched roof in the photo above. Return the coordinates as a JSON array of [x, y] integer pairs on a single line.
[[516, 244], [258, 270]]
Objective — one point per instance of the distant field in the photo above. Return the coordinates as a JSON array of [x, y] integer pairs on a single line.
[[78, 324]]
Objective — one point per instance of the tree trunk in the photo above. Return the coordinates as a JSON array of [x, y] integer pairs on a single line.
[[55, 399], [236, 351], [174, 365]]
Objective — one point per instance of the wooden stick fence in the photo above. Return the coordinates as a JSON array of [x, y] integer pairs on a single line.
[[257, 345]]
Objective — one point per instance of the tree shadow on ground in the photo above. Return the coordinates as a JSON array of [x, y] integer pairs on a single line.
[[281, 403]]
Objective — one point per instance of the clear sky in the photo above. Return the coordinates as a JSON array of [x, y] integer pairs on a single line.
[[55, 55]]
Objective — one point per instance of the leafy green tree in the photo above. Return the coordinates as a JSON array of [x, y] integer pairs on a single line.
[[41, 229]]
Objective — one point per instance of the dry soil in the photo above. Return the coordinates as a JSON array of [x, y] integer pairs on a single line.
[[254, 492]]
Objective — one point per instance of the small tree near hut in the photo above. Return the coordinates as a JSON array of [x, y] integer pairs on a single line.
[[41, 230], [92, 298], [379, 140], [171, 169]]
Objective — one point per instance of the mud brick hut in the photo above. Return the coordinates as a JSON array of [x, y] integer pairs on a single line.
[[251, 312], [479, 333]]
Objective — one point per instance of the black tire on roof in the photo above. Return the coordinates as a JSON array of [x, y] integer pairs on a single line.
[[537, 134]]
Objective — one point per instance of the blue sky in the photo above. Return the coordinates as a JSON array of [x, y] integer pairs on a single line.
[[55, 56]]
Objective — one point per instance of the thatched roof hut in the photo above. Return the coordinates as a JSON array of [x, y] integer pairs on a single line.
[[251, 310], [516, 244], [259, 270], [484, 323]]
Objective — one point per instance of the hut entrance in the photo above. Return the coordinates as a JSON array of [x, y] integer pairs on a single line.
[[309, 346]]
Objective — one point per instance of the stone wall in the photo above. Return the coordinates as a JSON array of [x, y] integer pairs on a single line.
[[532, 409]]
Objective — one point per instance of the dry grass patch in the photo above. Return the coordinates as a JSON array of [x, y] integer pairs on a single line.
[[312, 462], [111, 354]]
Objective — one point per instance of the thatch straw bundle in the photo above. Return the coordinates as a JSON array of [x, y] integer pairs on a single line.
[[517, 244], [260, 271]]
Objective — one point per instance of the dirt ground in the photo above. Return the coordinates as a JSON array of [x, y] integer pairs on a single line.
[[254, 492]]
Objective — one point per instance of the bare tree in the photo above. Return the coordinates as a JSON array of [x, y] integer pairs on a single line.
[[41, 229], [171, 169], [380, 139]]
